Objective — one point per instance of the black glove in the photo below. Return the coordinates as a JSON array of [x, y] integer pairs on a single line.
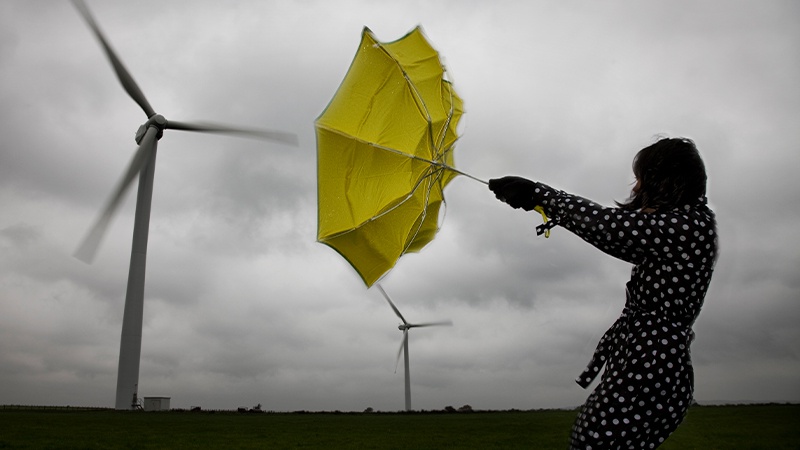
[[518, 192]]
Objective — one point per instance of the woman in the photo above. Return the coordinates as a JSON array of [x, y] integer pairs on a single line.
[[669, 235]]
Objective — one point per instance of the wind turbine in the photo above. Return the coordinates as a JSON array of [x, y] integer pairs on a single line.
[[404, 327], [143, 165]]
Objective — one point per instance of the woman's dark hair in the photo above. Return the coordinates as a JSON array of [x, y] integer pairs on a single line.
[[671, 174]]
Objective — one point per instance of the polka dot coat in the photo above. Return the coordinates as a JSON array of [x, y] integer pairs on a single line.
[[648, 381]]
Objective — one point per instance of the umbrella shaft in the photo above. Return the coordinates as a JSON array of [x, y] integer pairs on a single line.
[[444, 166], [465, 174]]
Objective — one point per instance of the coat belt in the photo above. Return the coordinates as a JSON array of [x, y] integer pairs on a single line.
[[619, 331]]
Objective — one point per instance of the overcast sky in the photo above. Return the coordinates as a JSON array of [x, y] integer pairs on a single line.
[[243, 306]]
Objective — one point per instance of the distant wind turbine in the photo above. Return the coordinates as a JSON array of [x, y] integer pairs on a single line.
[[404, 327], [143, 166]]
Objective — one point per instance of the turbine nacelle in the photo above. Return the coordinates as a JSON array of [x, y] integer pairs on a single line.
[[408, 326], [158, 121]]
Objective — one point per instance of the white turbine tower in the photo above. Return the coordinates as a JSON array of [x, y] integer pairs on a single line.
[[142, 166], [404, 327]]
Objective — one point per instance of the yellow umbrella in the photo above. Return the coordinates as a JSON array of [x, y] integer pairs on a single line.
[[385, 153]]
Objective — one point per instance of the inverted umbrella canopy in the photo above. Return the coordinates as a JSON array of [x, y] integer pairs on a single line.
[[385, 153]]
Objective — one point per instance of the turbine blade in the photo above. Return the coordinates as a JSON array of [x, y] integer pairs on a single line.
[[400, 350], [431, 324], [209, 127], [88, 248], [124, 76], [396, 311]]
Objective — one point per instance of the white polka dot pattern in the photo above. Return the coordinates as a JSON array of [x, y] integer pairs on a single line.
[[648, 381]]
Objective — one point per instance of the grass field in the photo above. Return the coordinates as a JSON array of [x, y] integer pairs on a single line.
[[772, 427]]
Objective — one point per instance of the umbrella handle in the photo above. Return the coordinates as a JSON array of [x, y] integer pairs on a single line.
[[540, 210], [545, 227]]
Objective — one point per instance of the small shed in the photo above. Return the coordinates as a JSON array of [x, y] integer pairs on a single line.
[[156, 403]]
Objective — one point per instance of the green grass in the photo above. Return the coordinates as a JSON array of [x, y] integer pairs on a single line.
[[706, 427]]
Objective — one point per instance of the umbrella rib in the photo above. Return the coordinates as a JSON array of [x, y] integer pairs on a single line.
[[446, 122], [423, 107], [402, 153], [426, 113], [431, 183], [378, 216]]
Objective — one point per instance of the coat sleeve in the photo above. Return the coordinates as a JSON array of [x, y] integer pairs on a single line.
[[633, 236]]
